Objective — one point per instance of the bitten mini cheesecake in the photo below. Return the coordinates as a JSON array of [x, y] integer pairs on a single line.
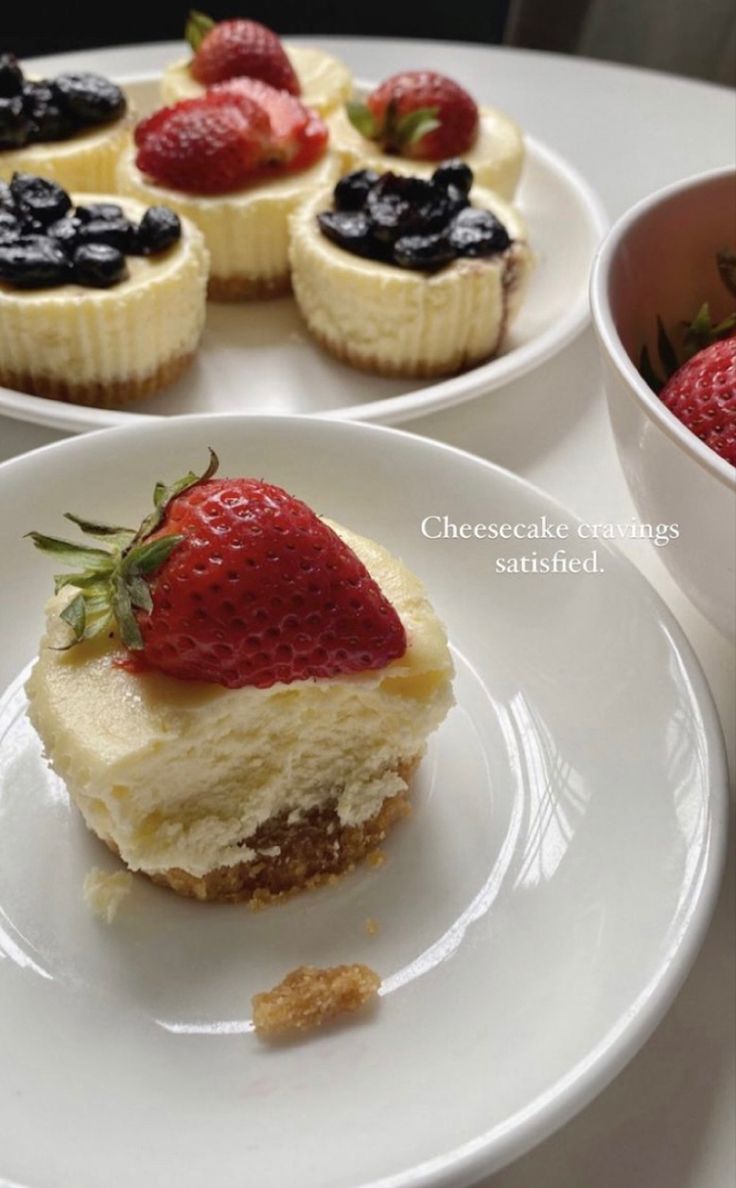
[[236, 163], [102, 300], [71, 128], [415, 119], [409, 277], [244, 722], [241, 48]]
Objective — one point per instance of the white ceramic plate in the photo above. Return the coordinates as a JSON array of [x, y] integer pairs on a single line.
[[538, 912], [259, 357]]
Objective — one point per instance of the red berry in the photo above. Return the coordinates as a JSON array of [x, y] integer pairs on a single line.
[[260, 591], [424, 90], [243, 48], [298, 135], [702, 394], [203, 146]]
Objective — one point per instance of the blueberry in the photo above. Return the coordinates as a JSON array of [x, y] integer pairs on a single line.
[[6, 198], [478, 233], [10, 228], [65, 232], [423, 251], [454, 173], [406, 206], [352, 230], [14, 123], [39, 199], [352, 190], [117, 233], [99, 210], [89, 98], [159, 229], [47, 120], [33, 263], [11, 76], [99, 265]]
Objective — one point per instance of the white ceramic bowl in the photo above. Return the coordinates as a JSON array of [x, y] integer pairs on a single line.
[[659, 258]]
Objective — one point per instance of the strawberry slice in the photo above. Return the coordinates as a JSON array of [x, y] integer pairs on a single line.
[[298, 135]]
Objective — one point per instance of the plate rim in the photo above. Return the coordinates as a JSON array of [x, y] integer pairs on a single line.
[[389, 410], [494, 1149]]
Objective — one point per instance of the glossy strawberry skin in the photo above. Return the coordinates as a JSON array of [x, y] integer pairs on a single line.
[[203, 146], [262, 591], [298, 135], [702, 394], [413, 90], [243, 48]]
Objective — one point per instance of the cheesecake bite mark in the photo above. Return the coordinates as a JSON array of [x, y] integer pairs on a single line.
[[309, 997]]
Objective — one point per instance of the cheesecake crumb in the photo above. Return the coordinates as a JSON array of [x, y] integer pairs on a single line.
[[104, 892], [308, 997], [372, 926], [376, 858]]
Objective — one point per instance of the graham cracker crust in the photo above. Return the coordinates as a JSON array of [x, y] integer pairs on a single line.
[[247, 288], [309, 997], [409, 370], [103, 394]]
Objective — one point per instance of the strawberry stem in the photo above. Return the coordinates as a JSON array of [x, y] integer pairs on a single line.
[[197, 27]]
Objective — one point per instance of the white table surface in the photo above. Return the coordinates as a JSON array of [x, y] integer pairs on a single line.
[[668, 1120]]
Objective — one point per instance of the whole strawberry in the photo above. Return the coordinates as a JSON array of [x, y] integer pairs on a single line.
[[204, 146], [418, 114], [702, 394], [231, 49], [230, 581]]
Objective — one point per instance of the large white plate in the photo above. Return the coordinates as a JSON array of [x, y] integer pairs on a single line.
[[259, 357], [538, 912]]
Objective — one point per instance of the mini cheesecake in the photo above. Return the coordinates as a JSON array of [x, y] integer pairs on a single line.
[[420, 319], [325, 81], [246, 231], [242, 793], [71, 129], [496, 157], [100, 341]]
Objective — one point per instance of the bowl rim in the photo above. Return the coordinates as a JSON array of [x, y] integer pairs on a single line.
[[610, 340]]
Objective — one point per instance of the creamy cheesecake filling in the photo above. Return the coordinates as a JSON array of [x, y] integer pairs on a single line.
[[179, 774], [496, 158], [325, 81], [85, 161]]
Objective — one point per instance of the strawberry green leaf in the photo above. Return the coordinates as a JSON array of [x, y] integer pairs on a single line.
[[148, 557], [197, 27], [726, 261], [410, 128], [115, 534], [70, 553], [75, 614], [162, 495], [140, 593], [122, 608], [667, 354], [362, 119], [648, 373]]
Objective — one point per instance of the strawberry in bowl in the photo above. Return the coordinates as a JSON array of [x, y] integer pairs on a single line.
[[417, 118], [236, 161], [272, 679], [241, 48]]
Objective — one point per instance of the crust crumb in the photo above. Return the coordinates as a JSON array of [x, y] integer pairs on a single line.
[[372, 926], [105, 892], [308, 997], [376, 858]]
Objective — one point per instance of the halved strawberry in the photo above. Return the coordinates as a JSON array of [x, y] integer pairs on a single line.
[[238, 48], [204, 146], [298, 135], [230, 581]]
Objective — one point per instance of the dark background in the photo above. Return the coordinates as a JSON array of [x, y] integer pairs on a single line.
[[29, 29]]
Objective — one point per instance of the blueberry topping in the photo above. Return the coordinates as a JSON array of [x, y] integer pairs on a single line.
[[47, 120], [99, 210], [6, 198], [423, 251], [33, 263], [117, 233], [454, 173], [90, 98], [353, 230], [99, 265], [14, 123], [478, 233], [159, 229], [65, 232], [10, 228], [11, 76], [352, 190], [412, 222], [39, 199]]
